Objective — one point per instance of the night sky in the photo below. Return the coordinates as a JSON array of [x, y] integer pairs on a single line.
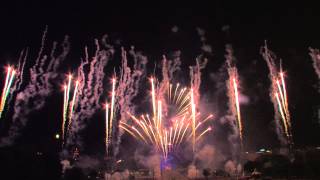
[[290, 30]]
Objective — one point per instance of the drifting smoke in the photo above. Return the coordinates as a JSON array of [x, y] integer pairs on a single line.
[[65, 165], [243, 99], [205, 46], [90, 90], [195, 77], [150, 161], [234, 119], [128, 88], [208, 157], [315, 56], [86, 162], [20, 70], [193, 172], [175, 29], [270, 58], [232, 167], [118, 175], [33, 96]]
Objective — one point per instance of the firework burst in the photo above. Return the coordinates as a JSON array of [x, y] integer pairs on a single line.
[[165, 132]]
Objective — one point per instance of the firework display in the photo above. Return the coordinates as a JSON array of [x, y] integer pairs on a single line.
[[170, 120], [167, 134]]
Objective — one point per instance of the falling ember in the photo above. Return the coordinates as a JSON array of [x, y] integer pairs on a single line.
[[163, 132], [6, 89]]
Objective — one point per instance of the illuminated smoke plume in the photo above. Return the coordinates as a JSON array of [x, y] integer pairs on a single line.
[[128, 88], [315, 56], [234, 106], [270, 58], [193, 172], [151, 162], [195, 77], [168, 69], [90, 90], [205, 46], [42, 76]]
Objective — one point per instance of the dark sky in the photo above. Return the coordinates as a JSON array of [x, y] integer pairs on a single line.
[[289, 28]]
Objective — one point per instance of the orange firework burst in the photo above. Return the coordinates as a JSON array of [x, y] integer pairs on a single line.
[[165, 133]]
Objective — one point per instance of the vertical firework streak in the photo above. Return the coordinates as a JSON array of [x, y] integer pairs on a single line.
[[278, 97], [193, 114], [195, 75], [233, 92], [281, 97], [68, 105], [6, 89], [236, 95], [75, 92], [110, 121], [65, 105]]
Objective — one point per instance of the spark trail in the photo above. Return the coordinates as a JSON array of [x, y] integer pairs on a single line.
[[278, 96], [233, 92], [109, 121], [68, 107], [281, 97], [6, 89]]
